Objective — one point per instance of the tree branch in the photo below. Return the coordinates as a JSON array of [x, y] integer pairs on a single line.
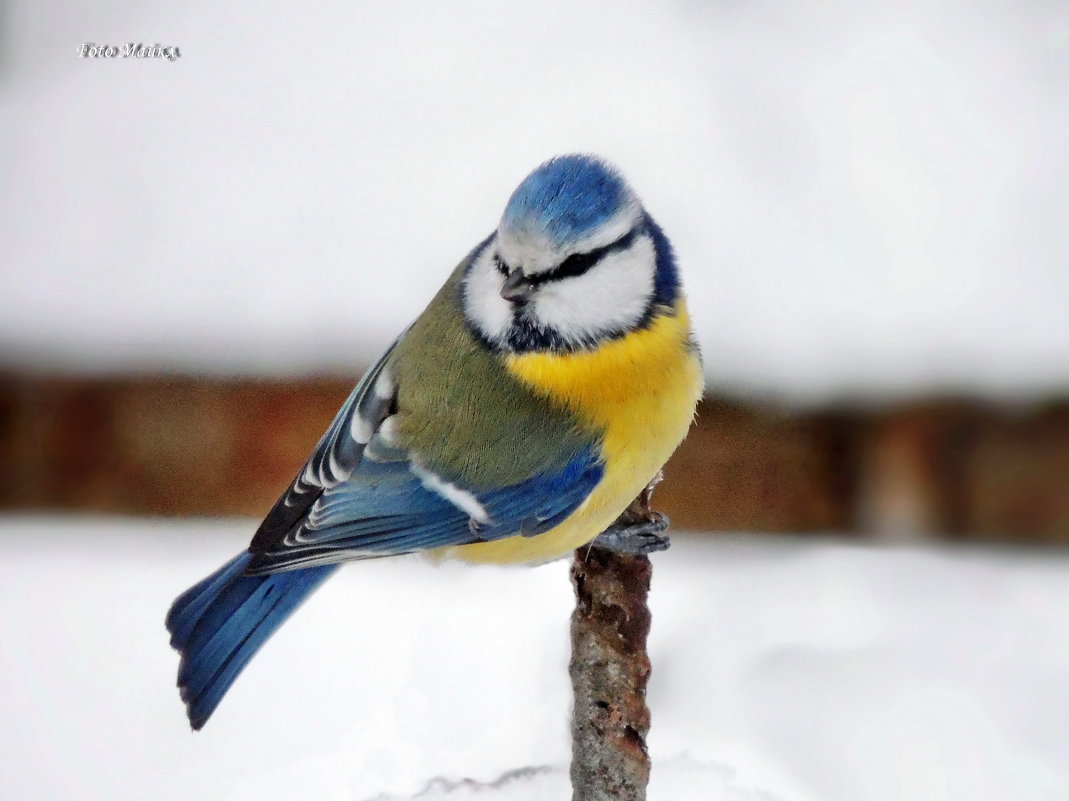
[[609, 670]]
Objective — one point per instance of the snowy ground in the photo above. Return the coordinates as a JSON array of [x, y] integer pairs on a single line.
[[784, 670]]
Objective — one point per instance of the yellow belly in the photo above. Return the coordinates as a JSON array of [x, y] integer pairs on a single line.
[[638, 393]]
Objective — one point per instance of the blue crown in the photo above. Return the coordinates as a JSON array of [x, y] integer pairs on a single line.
[[565, 199]]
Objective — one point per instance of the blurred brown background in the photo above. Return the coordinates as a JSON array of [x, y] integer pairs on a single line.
[[938, 467]]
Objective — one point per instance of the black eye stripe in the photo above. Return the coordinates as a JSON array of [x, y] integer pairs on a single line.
[[579, 263], [574, 265]]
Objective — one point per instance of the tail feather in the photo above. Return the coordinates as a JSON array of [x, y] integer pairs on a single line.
[[220, 623], [190, 605]]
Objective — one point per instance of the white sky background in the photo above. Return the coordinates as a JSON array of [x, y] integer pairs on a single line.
[[864, 197]]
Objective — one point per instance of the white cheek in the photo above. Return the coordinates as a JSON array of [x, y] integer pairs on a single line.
[[483, 304], [612, 296]]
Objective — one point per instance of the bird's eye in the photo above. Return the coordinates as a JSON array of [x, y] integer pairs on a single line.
[[501, 266]]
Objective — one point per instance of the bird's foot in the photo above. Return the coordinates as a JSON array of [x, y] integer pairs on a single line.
[[635, 537]]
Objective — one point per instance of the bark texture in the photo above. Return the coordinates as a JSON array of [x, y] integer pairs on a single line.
[[609, 671]]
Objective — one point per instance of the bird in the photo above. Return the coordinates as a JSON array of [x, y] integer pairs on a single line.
[[542, 389]]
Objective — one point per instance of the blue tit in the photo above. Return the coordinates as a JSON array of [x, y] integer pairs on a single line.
[[540, 391]]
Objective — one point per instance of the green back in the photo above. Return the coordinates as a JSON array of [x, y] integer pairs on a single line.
[[463, 413]]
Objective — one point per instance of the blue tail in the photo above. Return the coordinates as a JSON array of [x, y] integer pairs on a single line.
[[219, 624]]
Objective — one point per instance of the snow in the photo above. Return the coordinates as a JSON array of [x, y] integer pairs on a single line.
[[864, 197], [784, 670]]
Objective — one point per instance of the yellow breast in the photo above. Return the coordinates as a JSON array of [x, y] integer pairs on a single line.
[[637, 394]]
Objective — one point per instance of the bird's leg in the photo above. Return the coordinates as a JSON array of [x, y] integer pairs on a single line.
[[639, 530]]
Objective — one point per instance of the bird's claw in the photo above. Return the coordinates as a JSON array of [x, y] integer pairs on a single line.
[[636, 538]]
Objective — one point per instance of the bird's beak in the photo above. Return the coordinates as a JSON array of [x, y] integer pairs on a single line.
[[516, 288]]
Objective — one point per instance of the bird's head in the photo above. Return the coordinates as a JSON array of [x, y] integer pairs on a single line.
[[575, 260]]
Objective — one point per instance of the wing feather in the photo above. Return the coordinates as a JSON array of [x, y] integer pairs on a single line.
[[386, 508], [336, 455]]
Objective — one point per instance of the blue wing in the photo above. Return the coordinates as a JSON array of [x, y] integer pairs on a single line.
[[361, 495], [388, 508]]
